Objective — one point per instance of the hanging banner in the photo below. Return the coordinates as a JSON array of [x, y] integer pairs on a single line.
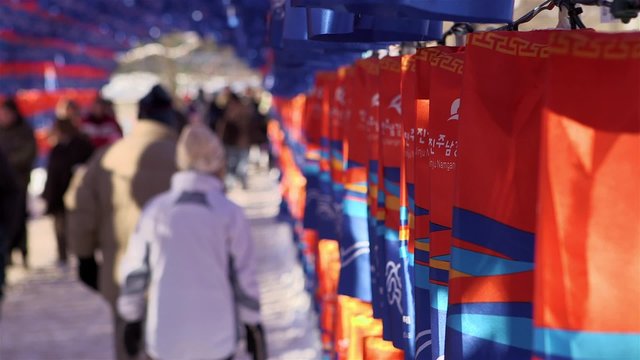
[[587, 281], [328, 266], [346, 335], [381, 243], [311, 133], [292, 182], [396, 248], [362, 327], [328, 218], [376, 348], [490, 297], [409, 115], [371, 105], [422, 201], [312, 126], [444, 117], [355, 276], [362, 87], [407, 221], [337, 111]]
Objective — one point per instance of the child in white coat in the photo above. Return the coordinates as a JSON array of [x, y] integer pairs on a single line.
[[189, 270]]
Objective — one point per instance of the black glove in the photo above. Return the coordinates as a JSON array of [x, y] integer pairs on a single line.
[[88, 272], [256, 343], [133, 338]]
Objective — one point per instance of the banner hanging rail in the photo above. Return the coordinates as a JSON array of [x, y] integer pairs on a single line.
[[625, 10]]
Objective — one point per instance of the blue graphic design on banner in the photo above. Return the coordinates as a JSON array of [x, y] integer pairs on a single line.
[[377, 287], [328, 219], [311, 173], [355, 276], [422, 312], [408, 301], [394, 287]]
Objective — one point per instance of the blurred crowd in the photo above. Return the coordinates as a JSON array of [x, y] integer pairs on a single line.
[[240, 121], [102, 192]]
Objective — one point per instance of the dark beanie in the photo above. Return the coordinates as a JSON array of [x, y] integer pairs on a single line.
[[157, 106]]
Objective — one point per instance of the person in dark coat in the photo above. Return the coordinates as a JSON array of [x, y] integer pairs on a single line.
[[105, 200], [69, 110], [19, 145], [8, 200], [234, 130], [100, 125], [259, 124], [215, 112], [71, 150], [217, 108]]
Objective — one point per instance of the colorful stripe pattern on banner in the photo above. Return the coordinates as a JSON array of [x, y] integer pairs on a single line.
[[444, 117], [355, 276], [422, 201], [371, 104], [312, 133], [397, 257], [328, 218], [492, 250]]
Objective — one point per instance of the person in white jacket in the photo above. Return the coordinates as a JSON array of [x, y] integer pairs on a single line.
[[189, 269]]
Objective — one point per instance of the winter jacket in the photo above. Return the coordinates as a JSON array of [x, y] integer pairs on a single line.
[[19, 145], [105, 200], [64, 158], [194, 254], [258, 129], [235, 128], [101, 131]]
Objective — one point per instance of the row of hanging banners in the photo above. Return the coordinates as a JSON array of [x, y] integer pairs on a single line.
[[62, 44], [478, 202]]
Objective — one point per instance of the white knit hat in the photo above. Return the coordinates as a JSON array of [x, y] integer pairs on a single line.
[[200, 149]]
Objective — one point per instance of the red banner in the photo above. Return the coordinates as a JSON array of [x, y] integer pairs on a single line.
[[495, 210], [444, 117], [587, 268], [409, 115]]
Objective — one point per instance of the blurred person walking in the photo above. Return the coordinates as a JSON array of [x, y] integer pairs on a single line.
[[100, 125], [234, 129], [215, 113], [258, 133], [217, 108], [8, 199], [197, 109], [69, 110], [189, 270], [70, 150], [105, 201], [18, 143]]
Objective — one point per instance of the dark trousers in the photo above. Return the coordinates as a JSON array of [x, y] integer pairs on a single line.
[[118, 327], [60, 225], [2, 260], [238, 162], [19, 238]]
